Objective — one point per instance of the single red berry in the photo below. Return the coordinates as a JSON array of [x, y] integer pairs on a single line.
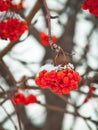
[[18, 98], [30, 99]]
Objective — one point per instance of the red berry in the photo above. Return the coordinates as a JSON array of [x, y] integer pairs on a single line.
[[5, 5], [91, 5], [30, 99], [12, 28], [44, 38], [18, 98]]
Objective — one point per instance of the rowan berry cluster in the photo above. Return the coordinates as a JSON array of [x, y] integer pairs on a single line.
[[5, 5], [11, 24], [91, 5], [11, 28], [44, 39], [58, 79], [20, 98]]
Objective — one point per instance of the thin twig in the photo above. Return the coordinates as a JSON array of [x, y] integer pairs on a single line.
[[14, 107], [10, 118], [3, 101], [48, 18], [58, 109]]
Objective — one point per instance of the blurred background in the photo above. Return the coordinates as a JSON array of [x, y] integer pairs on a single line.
[[77, 33]]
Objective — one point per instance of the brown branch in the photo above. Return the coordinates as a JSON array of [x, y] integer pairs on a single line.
[[7, 49], [6, 74], [1, 128], [10, 118], [3, 101], [32, 12], [48, 18], [9, 97], [59, 109]]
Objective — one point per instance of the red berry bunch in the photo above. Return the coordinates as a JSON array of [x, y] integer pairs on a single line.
[[44, 39], [91, 5], [12, 28], [5, 5], [59, 81], [20, 98]]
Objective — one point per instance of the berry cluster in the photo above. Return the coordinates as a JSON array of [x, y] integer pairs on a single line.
[[12, 28], [91, 5], [18, 6], [5, 5], [44, 39], [20, 98], [60, 80]]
